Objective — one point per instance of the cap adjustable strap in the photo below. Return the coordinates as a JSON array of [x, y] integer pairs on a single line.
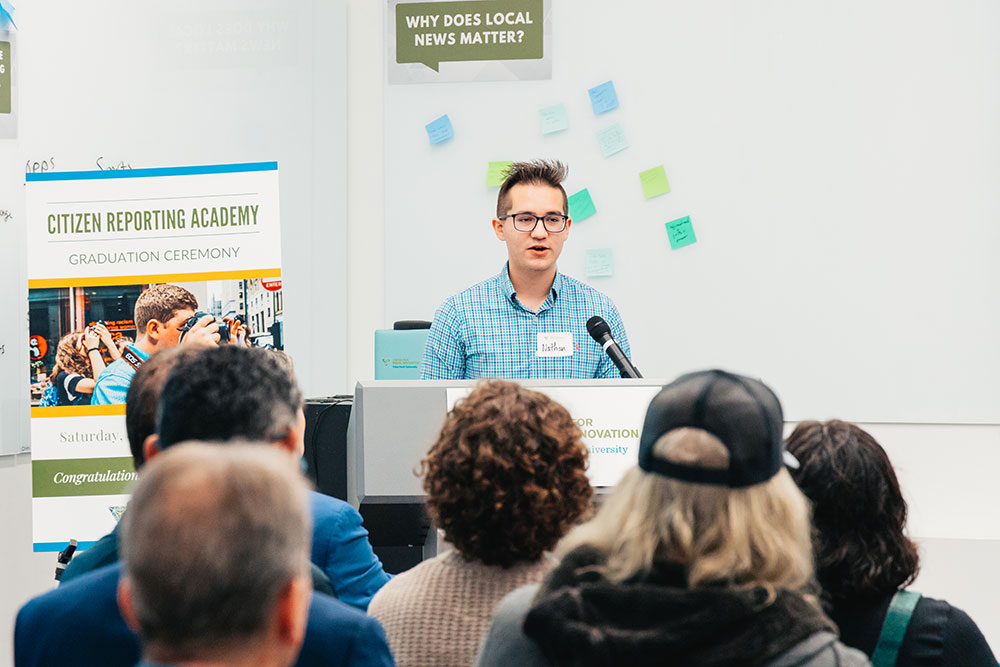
[[687, 473]]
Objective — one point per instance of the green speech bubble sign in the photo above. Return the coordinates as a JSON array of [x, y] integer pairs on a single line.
[[5, 63], [435, 32]]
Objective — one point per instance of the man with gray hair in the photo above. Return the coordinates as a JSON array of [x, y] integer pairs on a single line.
[[215, 547], [222, 394], [530, 320]]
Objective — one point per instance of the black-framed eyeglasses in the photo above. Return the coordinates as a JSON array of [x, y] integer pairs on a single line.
[[526, 222]]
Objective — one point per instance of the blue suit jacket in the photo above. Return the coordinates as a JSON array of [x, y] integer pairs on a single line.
[[341, 549], [79, 624]]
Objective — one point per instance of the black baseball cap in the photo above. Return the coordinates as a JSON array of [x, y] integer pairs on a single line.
[[741, 412]]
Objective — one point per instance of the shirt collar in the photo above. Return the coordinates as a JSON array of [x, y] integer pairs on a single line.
[[137, 352], [507, 287]]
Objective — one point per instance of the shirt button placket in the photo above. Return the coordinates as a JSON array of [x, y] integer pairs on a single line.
[[533, 363]]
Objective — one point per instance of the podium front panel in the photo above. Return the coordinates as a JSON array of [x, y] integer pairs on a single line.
[[395, 422]]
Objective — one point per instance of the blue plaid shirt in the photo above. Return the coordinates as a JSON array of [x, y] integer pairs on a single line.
[[484, 331], [112, 383]]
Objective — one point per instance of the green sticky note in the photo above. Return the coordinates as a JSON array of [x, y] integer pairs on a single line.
[[654, 182], [581, 206], [496, 173], [553, 118], [600, 263], [612, 140], [680, 232]]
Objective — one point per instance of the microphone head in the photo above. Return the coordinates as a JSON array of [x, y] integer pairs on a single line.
[[598, 328]]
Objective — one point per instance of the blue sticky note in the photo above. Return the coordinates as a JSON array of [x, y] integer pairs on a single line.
[[612, 140], [581, 206], [603, 97], [440, 130], [553, 118], [680, 232], [599, 263]]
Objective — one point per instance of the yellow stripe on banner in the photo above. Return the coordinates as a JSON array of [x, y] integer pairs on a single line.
[[105, 281], [77, 411]]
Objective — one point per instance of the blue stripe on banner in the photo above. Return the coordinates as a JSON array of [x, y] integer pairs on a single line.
[[59, 546], [155, 171]]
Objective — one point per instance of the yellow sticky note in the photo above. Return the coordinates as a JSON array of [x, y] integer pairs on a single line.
[[496, 173], [654, 182]]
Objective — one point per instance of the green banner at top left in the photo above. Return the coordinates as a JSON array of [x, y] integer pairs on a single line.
[[5, 78], [427, 34]]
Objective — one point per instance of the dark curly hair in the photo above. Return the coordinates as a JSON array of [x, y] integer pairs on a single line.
[[507, 476], [225, 393], [859, 515]]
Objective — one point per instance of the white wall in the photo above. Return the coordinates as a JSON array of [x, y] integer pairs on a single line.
[[365, 189], [946, 470], [23, 574]]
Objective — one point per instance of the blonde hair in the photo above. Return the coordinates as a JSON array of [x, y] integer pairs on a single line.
[[741, 538]]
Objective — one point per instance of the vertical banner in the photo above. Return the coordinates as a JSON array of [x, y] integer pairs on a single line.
[[96, 241]]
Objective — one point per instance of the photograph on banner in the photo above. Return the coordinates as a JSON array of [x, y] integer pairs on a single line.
[[64, 322], [179, 241], [468, 40]]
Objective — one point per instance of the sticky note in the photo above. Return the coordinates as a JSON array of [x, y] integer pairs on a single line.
[[599, 263], [496, 173], [581, 206], [439, 130], [654, 182], [553, 118], [612, 140], [603, 97], [680, 232]]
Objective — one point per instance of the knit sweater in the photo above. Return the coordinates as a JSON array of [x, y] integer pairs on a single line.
[[436, 614]]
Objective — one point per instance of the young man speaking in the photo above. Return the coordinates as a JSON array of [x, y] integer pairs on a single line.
[[529, 321]]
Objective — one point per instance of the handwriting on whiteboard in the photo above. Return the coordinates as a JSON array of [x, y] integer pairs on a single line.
[[104, 164], [36, 166], [5, 215]]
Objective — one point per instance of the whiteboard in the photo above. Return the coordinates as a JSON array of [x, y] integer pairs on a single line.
[[838, 161], [188, 83]]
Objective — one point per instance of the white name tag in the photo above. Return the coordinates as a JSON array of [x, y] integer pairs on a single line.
[[554, 344]]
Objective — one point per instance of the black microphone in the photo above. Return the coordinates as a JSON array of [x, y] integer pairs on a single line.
[[601, 332]]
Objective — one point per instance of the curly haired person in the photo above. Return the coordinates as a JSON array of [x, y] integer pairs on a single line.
[[505, 481], [79, 362]]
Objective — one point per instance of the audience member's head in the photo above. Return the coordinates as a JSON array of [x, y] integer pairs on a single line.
[[215, 545], [507, 476], [710, 492], [161, 311], [144, 396], [859, 515], [231, 392]]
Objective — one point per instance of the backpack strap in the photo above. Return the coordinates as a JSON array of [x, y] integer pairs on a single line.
[[897, 619]]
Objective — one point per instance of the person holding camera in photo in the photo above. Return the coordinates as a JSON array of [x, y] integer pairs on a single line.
[[162, 320], [78, 362]]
